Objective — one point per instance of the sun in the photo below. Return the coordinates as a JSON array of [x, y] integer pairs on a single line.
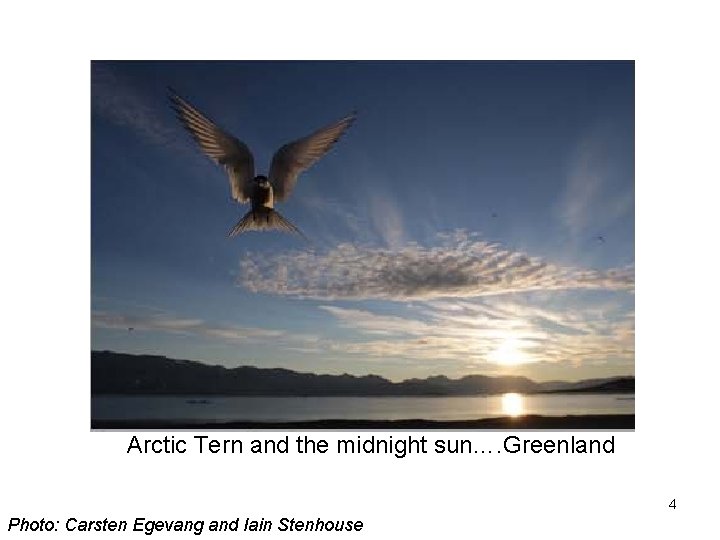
[[510, 352]]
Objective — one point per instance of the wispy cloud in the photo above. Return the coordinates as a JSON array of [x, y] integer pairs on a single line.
[[475, 331], [380, 221], [372, 323], [387, 220], [461, 266], [117, 100], [183, 326], [334, 219], [588, 202]]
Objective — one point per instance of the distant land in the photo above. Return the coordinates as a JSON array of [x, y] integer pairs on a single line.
[[128, 374], [531, 421]]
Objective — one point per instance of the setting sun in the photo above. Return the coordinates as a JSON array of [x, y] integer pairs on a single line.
[[510, 352]]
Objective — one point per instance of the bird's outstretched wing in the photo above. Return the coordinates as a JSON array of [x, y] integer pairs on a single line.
[[293, 158], [218, 145]]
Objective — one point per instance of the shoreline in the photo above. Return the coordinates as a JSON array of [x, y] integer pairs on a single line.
[[535, 422]]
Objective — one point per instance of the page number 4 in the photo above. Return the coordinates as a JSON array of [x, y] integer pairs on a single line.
[[672, 504]]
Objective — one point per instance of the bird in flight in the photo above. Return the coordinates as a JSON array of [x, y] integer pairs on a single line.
[[262, 192]]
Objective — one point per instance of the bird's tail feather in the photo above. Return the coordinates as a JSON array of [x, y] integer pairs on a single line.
[[264, 219]]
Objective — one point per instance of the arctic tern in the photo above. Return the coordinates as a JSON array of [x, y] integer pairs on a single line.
[[234, 156]]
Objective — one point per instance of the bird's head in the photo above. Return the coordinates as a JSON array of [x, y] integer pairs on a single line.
[[262, 181]]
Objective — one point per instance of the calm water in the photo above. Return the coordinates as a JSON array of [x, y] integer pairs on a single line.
[[278, 409]]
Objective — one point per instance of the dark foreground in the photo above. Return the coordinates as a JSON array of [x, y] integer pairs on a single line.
[[598, 421]]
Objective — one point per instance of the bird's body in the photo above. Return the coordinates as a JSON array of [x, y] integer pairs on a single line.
[[263, 196], [260, 191]]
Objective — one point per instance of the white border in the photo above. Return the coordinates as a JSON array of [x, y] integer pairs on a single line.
[[53, 466]]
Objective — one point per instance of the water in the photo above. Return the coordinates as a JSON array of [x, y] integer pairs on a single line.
[[289, 409]]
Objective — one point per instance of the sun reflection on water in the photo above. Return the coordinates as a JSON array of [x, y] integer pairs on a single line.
[[513, 404]]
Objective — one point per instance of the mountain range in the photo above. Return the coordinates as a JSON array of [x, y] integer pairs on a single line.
[[119, 373]]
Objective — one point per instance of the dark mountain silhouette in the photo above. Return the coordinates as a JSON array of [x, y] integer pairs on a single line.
[[619, 385], [118, 373]]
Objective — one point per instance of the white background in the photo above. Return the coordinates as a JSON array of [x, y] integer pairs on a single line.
[[54, 467]]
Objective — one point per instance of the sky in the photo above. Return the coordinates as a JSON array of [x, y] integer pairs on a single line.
[[478, 218]]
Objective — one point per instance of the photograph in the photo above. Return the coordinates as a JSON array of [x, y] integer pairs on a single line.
[[362, 245]]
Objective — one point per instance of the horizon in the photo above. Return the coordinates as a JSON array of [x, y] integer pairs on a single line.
[[394, 381], [478, 216]]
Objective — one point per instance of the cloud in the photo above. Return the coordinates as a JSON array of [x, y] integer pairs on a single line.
[[476, 331], [376, 324], [333, 218], [380, 221], [181, 326], [117, 100], [387, 220], [462, 266], [589, 199]]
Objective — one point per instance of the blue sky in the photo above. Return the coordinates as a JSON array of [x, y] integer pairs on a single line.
[[454, 229]]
